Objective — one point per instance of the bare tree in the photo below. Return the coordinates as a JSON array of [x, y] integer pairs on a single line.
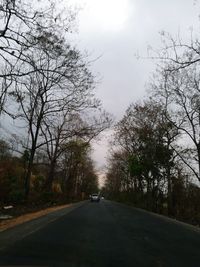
[[179, 91], [66, 127], [176, 53], [24, 24], [60, 82]]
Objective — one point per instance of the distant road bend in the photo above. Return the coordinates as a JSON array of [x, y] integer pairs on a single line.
[[101, 234]]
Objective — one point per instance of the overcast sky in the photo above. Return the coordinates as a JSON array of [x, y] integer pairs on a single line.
[[117, 30]]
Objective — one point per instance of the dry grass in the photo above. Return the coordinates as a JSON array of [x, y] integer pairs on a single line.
[[6, 224]]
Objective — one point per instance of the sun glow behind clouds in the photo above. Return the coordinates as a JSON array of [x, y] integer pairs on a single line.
[[107, 15]]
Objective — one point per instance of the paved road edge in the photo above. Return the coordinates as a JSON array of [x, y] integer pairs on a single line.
[[20, 231], [167, 219]]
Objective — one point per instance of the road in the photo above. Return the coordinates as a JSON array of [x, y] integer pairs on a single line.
[[101, 234]]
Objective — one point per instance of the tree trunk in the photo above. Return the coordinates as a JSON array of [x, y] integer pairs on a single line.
[[28, 174], [198, 151], [149, 193], [170, 209], [50, 178]]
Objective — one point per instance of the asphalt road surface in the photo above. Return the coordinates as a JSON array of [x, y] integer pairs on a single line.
[[101, 234]]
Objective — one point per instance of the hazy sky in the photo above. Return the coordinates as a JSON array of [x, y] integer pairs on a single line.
[[117, 30]]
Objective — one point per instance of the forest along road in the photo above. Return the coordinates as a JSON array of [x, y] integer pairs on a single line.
[[102, 234]]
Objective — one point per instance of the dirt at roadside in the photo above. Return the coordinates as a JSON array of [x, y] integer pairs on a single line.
[[5, 224]]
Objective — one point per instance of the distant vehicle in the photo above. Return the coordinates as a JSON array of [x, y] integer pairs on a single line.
[[94, 198]]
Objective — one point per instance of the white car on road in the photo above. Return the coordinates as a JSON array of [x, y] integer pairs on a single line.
[[94, 198]]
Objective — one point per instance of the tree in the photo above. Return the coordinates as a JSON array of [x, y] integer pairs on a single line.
[[177, 54], [4, 150], [65, 128], [78, 169], [117, 177], [61, 82], [24, 24], [145, 159], [179, 92]]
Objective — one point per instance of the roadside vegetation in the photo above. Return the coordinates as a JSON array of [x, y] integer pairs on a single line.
[[154, 160], [47, 95]]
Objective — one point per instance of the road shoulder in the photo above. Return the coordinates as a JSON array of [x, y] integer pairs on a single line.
[[162, 217], [30, 223]]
